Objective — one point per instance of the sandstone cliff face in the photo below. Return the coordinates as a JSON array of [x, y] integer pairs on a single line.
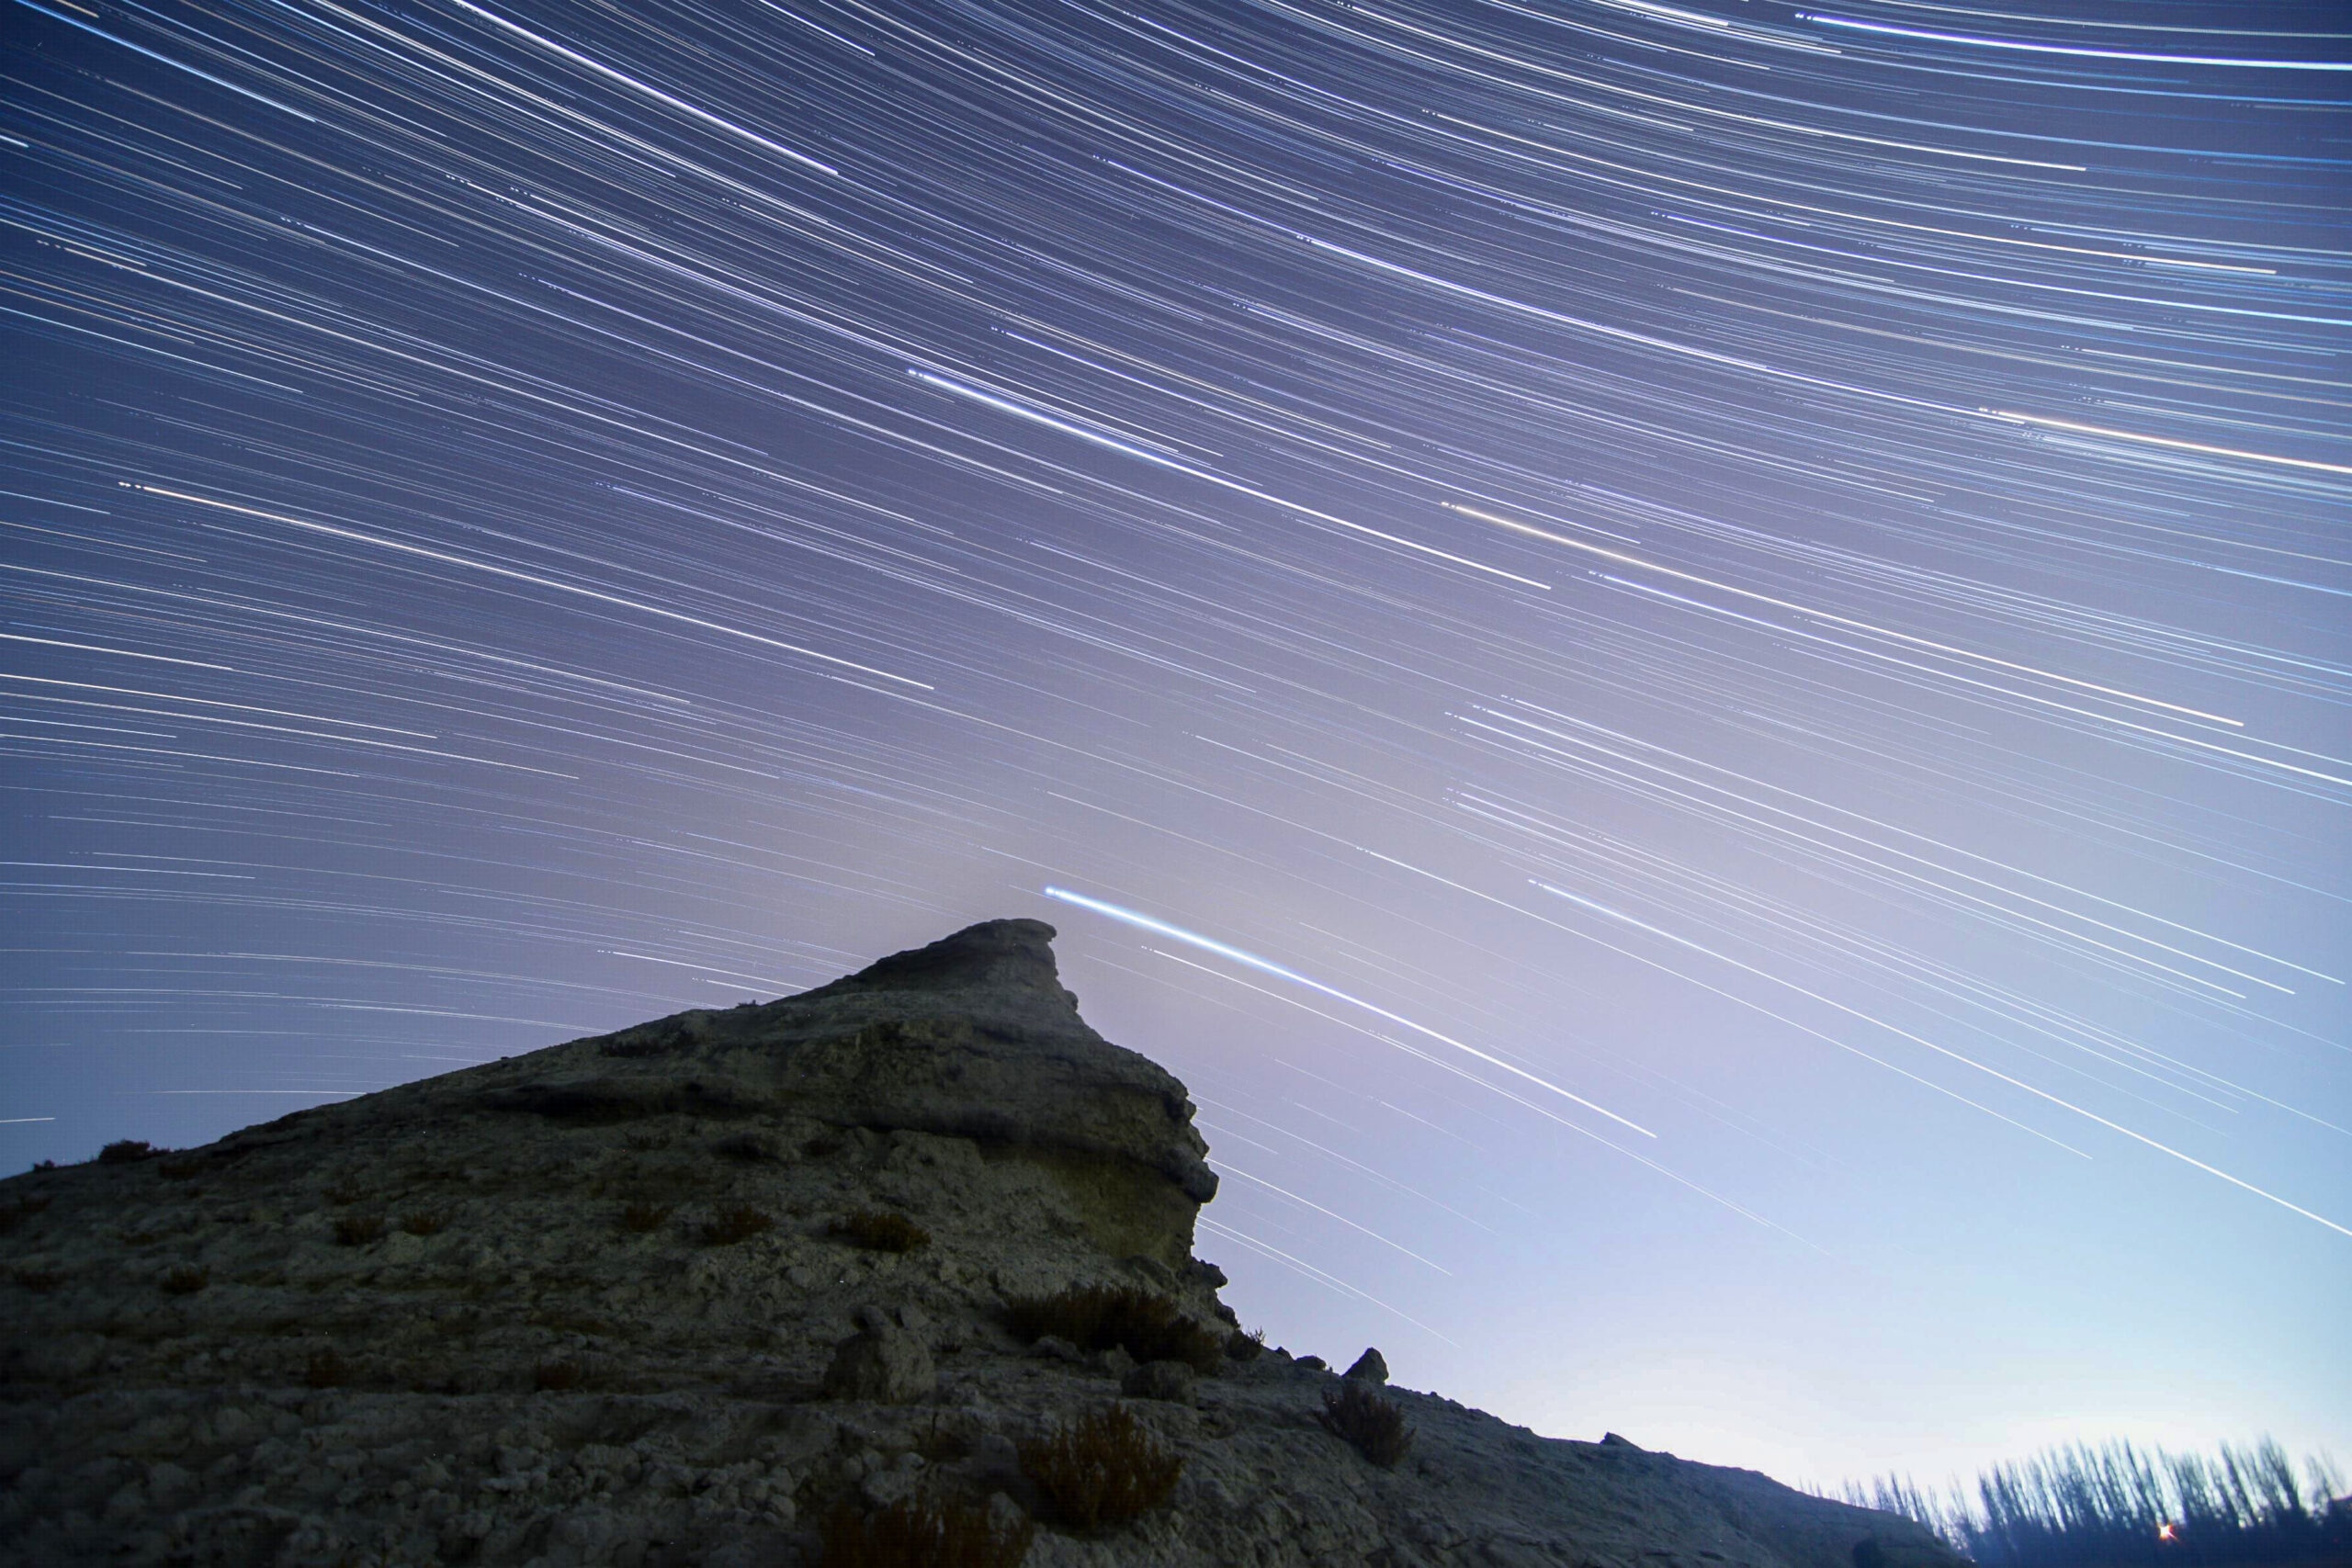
[[629, 1300], [972, 1038]]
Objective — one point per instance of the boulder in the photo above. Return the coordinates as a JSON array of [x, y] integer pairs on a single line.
[[883, 1363]]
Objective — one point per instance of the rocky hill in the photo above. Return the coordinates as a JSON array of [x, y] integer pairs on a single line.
[[905, 1259]]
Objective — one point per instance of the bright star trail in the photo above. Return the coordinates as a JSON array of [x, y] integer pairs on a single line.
[[1209, 944], [1688, 661]]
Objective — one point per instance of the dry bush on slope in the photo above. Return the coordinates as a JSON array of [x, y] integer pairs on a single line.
[[1102, 1470], [741, 1222], [1096, 1317], [747, 1148], [1373, 1425], [358, 1230], [557, 1377], [186, 1280], [915, 1533], [642, 1219], [878, 1230]]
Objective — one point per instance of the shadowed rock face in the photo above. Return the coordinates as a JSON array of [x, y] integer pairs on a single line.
[[971, 1037], [974, 1036], [669, 1296]]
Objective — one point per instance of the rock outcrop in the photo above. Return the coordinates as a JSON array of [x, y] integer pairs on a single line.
[[678, 1295], [971, 1039]]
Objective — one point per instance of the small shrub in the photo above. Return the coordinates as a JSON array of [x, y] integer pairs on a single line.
[[426, 1222], [643, 1218], [344, 1193], [1096, 1317], [825, 1145], [184, 1169], [358, 1230], [1246, 1346], [881, 1231], [746, 1148], [920, 1533], [39, 1281], [128, 1151], [556, 1377], [42, 1165], [325, 1369], [186, 1280], [1376, 1426], [1102, 1470], [741, 1222]]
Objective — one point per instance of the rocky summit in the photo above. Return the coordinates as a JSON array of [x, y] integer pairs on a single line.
[[898, 1270]]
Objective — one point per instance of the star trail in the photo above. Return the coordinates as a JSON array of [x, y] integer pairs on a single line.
[[1690, 661]]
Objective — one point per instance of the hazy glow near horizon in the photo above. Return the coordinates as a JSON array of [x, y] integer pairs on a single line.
[[1690, 661]]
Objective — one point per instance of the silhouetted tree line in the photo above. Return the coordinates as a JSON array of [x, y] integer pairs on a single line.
[[2122, 1505]]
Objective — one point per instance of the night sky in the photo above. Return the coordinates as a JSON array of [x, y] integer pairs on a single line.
[[1688, 661]]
